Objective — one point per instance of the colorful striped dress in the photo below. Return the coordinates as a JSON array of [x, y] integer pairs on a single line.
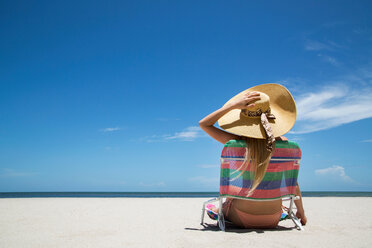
[[280, 179]]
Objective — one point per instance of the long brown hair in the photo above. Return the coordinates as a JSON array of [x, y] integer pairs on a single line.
[[258, 158]]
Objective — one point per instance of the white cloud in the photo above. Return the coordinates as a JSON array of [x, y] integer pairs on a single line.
[[335, 171], [297, 85], [333, 24], [110, 129], [367, 141], [188, 134], [6, 172], [294, 138], [312, 45], [362, 31], [316, 46], [329, 59], [332, 107]]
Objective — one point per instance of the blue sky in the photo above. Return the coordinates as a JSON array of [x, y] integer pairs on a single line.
[[106, 96]]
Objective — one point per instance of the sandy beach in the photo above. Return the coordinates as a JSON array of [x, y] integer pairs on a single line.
[[172, 222]]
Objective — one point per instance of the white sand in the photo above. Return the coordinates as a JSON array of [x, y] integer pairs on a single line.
[[171, 222]]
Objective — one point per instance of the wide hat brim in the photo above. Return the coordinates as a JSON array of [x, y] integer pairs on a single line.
[[282, 106]]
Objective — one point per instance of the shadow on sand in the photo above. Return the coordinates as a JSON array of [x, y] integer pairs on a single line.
[[235, 229]]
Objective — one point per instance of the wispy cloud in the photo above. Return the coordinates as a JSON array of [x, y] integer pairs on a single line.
[[188, 134], [6, 172], [297, 85], [110, 129], [316, 46], [331, 107], [367, 141], [362, 30], [333, 24], [335, 171], [312, 45], [294, 138], [329, 59]]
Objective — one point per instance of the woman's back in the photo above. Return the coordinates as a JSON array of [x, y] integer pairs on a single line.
[[277, 179], [258, 207]]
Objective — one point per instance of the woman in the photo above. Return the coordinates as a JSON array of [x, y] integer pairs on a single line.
[[259, 115]]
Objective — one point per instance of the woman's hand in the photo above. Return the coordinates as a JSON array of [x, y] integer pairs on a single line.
[[246, 101], [300, 209], [302, 217]]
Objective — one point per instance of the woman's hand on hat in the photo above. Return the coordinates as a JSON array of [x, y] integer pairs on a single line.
[[245, 101]]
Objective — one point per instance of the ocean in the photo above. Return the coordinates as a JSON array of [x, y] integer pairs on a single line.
[[164, 194]]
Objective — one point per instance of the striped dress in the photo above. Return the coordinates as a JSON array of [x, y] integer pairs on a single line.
[[280, 179]]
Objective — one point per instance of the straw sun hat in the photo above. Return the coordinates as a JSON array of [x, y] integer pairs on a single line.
[[276, 106]]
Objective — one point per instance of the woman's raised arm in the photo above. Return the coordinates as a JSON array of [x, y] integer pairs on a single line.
[[207, 123]]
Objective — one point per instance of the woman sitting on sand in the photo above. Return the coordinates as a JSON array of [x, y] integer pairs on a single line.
[[269, 102]]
